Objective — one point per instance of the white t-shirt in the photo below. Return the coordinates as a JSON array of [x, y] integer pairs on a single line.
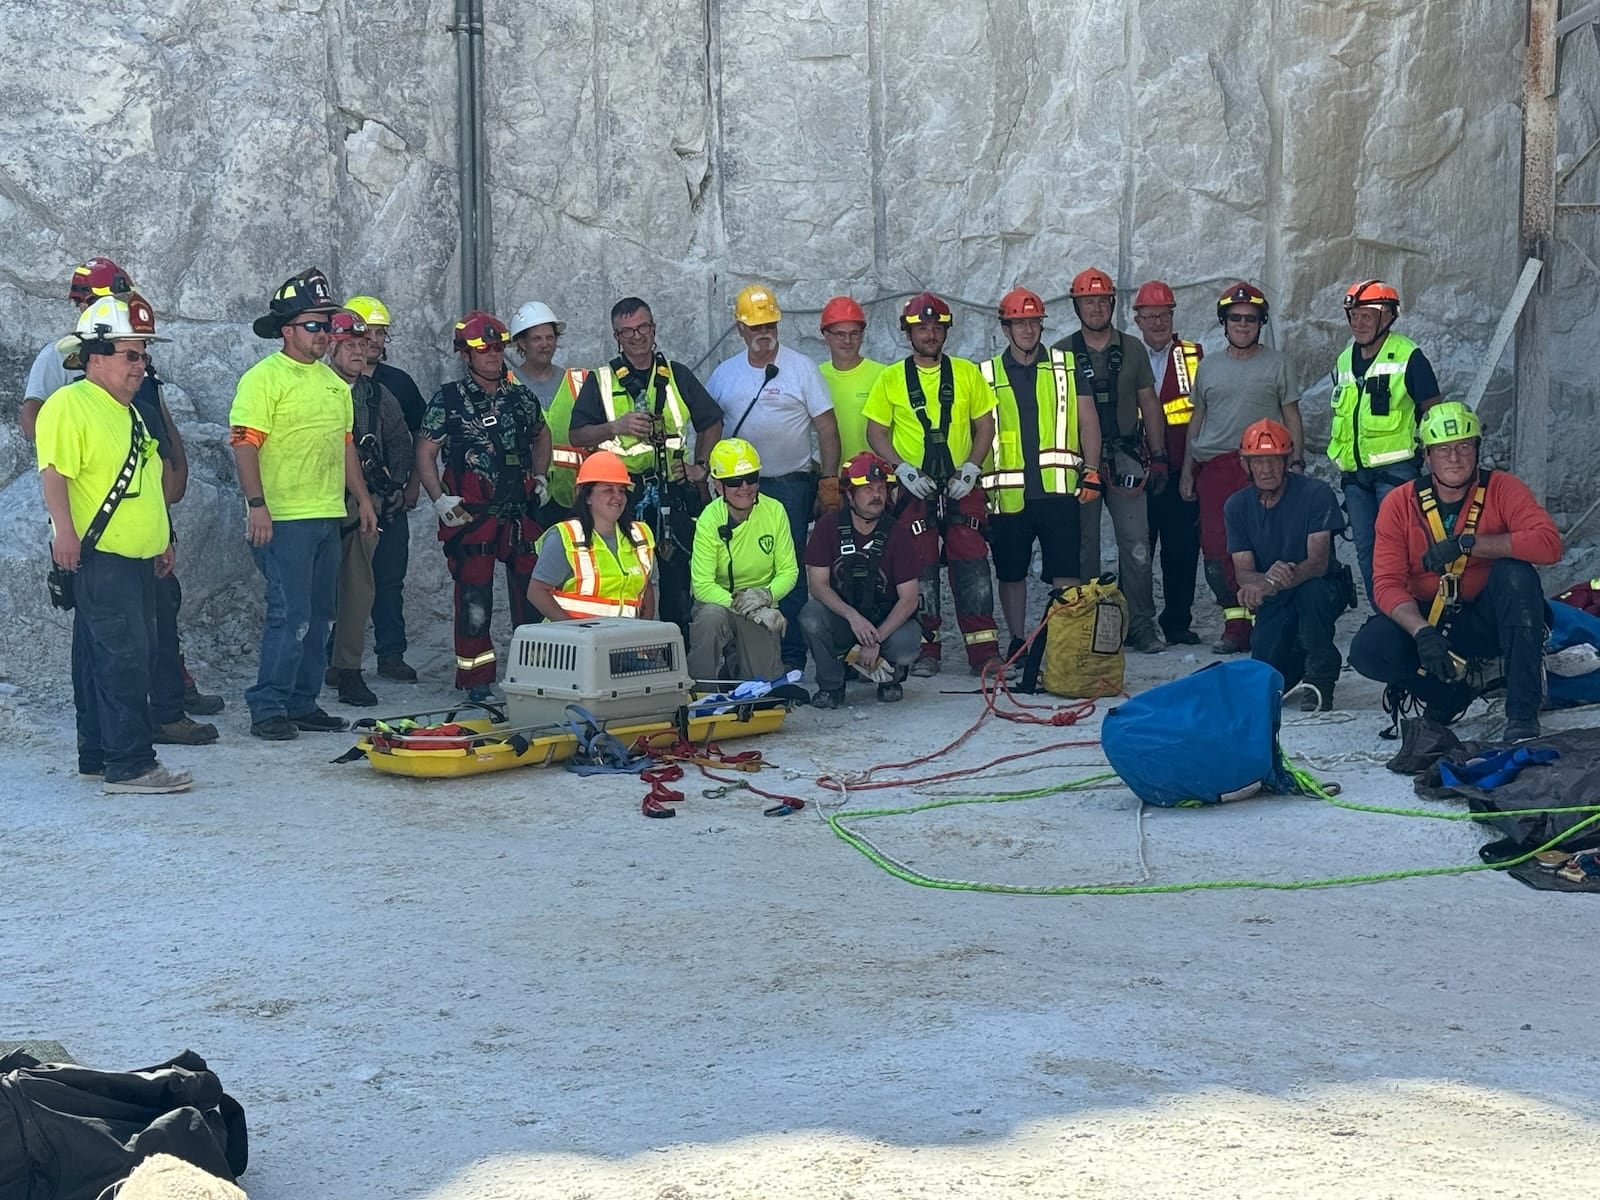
[[779, 424], [47, 375]]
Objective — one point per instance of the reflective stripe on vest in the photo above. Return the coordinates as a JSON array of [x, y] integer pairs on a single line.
[[601, 586], [1359, 437], [638, 453], [1183, 360], [570, 457], [1060, 463]]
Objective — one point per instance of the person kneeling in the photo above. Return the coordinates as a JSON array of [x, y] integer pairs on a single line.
[[743, 563], [594, 565], [1462, 541], [1280, 536], [862, 571]]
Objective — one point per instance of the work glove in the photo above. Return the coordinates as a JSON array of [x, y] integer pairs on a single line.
[[451, 511], [541, 488], [914, 481], [1157, 477], [963, 482], [747, 600], [1434, 652], [1438, 557], [881, 670], [770, 618], [827, 493], [1090, 488]]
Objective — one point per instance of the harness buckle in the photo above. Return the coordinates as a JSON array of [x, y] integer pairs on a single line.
[[489, 420], [1450, 589]]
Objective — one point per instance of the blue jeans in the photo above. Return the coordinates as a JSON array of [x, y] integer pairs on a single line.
[[301, 568], [113, 632], [389, 563], [1364, 491], [797, 493]]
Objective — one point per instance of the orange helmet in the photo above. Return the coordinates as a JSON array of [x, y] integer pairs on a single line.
[[1155, 294], [924, 309], [480, 331], [1372, 293], [865, 468], [603, 467], [1265, 437], [841, 308], [1241, 293], [1020, 302], [1093, 282]]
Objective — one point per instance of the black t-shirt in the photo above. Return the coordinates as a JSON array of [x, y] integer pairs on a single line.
[[404, 389], [1420, 379], [1281, 532], [587, 409], [147, 402], [1025, 386]]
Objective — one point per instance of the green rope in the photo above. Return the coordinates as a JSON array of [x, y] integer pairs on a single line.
[[1308, 783]]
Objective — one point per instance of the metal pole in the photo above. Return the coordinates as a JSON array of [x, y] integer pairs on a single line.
[[466, 152], [1536, 229]]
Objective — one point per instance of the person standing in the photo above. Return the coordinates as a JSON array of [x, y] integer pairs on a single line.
[[646, 409], [1382, 385], [933, 417], [847, 373], [1247, 383], [1113, 368], [1280, 536], [535, 333], [775, 399], [1046, 445], [290, 429], [496, 448], [101, 478], [1174, 520]]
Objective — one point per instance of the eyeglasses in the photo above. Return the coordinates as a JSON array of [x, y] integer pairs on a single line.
[[1244, 318], [1026, 322], [133, 356], [844, 335], [636, 332], [739, 481], [311, 326], [1454, 450]]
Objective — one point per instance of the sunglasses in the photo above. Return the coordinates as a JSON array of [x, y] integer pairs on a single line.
[[739, 481], [311, 326], [133, 356], [1244, 318]]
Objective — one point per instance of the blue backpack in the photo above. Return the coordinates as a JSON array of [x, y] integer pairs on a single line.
[[1205, 738]]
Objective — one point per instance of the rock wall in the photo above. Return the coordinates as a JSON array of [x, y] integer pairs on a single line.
[[679, 149]]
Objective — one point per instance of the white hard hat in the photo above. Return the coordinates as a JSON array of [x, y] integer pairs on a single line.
[[535, 312], [113, 319]]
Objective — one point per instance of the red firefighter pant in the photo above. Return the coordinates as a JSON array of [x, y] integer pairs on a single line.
[[1214, 482], [966, 553], [471, 555]]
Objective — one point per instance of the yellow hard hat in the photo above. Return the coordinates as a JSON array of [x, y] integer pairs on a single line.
[[369, 308], [756, 305], [733, 457]]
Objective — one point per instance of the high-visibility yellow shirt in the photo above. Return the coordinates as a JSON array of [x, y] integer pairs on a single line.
[[758, 552], [85, 433], [306, 413], [889, 404], [850, 390]]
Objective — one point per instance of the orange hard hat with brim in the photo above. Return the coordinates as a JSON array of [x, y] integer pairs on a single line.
[[603, 467]]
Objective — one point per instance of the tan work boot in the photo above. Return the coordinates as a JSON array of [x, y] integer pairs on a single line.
[[185, 732], [157, 780]]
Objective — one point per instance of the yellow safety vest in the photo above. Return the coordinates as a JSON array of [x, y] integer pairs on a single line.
[[1060, 462], [639, 453], [1183, 360], [1359, 437], [604, 584], [564, 459]]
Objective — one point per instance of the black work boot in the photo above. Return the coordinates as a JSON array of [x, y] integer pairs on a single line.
[[394, 666], [1318, 700], [828, 698], [353, 690], [1423, 742]]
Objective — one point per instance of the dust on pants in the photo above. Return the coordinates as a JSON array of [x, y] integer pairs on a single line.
[[1130, 521], [966, 552], [471, 559]]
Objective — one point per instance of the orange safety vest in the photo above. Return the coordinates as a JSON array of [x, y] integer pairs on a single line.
[[602, 584]]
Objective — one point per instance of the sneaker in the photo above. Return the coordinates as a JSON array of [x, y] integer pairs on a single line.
[[925, 666], [1184, 637], [317, 721], [394, 666], [353, 690], [275, 729], [200, 704], [888, 693], [828, 698], [1320, 700], [1522, 731], [155, 781], [184, 732], [1145, 642]]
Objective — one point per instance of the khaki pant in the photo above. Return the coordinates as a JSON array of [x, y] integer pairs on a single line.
[[355, 599], [713, 627], [1131, 522]]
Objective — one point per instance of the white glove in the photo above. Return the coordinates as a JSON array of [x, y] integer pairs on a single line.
[[748, 600], [881, 670], [914, 481], [770, 618], [964, 481], [541, 487], [451, 511]]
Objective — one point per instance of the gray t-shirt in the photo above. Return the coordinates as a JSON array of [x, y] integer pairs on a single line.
[[47, 375], [1232, 394], [544, 389], [552, 566]]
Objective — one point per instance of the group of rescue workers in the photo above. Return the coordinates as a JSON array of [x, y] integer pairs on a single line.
[[781, 510]]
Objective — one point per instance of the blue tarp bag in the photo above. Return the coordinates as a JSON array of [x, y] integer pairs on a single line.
[[1205, 738], [1571, 626]]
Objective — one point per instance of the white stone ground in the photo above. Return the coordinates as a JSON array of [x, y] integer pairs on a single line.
[[518, 987]]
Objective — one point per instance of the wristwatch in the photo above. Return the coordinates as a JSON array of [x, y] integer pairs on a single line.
[[1467, 541], [257, 501]]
